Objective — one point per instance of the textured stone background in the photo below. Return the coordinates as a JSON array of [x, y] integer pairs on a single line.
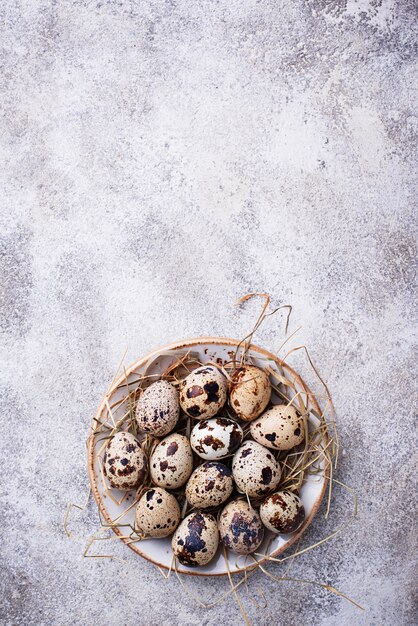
[[159, 160]]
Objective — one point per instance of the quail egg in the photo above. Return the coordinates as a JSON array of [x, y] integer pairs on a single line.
[[282, 512], [158, 409], [255, 469], [157, 513], [196, 539], [203, 392], [209, 485], [240, 527], [216, 438], [279, 428], [171, 463], [249, 392], [124, 462]]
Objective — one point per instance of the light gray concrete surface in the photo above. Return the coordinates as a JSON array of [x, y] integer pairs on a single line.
[[159, 160]]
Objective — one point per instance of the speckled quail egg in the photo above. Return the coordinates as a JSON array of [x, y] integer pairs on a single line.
[[282, 512], [158, 408], [203, 392], [196, 539], [171, 463], [124, 462], [255, 469], [209, 485], [279, 428], [216, 438], [157, 513], [240, 527], [249, 392]]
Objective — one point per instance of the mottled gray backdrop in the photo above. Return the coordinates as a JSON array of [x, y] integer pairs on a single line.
[[159, 159]]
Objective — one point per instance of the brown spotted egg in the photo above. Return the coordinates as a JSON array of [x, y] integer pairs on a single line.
[[203, 392], [240, 527], [158, 409], [157, 513], [279, 428], [255, 469], [124, 462], [282, 512], [216, 438], [196, 539], [209, 485], [249, 392], [171, 463]]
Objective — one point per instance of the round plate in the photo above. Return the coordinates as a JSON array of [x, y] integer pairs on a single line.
[[158, 551]]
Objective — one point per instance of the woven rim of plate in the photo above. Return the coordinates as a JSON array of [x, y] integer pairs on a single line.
[[178, 345]]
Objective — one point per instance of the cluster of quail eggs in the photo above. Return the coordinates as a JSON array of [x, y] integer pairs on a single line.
[[199, 467]]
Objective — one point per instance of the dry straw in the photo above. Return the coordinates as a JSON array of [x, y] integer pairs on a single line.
[[319, 451]]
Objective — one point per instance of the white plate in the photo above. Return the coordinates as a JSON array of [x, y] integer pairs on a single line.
[[158, 551]]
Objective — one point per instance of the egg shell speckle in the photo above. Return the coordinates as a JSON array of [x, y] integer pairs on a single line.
[[279, 428], [210, 484], [171, 462], [282, 512], [216, 438], [158, 409], [255, 469], [196, 540], [249, 392], [157, 513], [203, 392], [124, 462], [240, 527]]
